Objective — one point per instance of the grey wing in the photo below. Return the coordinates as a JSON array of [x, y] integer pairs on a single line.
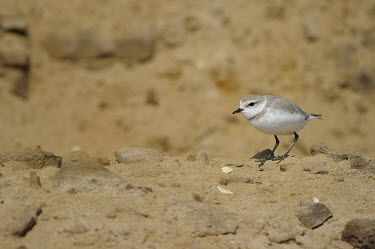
[[284, 105]]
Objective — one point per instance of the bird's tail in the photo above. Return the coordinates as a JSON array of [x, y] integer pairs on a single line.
[[313, 115]]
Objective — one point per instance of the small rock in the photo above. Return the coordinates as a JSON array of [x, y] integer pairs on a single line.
[[284, 167], [318, 149], [103, 161], [283, 230], [339, 179], [197, 197], [136, 43], [21, 83], [369, 37], [226, 170], [173, 32], [321, 172], [199, 156], [34, 179], [145, 189], [314, 215], [192, 23], [223, 180], [112, 215], [223, 72], [138, 155], [365, 80], [78, 44], [276, 11], [312, 32], [82, 173], [25, 220], [199, 218], [14, 22], [14, 50], [360, 233], [35, 158]]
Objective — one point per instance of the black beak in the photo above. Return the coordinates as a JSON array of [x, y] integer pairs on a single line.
[[237, 111]]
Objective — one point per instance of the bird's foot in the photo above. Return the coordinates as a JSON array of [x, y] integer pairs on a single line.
[[280, 158], [262, 161]]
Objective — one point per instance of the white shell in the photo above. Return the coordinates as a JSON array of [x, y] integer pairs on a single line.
[[224, 191], [226, 170], [316, 200]]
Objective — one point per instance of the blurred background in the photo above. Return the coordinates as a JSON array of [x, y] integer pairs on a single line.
[[103, 74]]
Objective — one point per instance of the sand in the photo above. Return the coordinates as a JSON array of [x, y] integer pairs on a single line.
[[169, 201]]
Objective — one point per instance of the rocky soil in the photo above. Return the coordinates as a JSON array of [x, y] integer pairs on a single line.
[[145, 199]]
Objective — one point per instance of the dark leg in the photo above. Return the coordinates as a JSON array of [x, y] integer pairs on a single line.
[[274, 148], [280, 158], [272, 153]]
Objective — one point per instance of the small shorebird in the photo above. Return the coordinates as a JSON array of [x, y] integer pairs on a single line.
[[276, 116]]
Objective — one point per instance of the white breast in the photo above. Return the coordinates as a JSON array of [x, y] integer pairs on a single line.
[[278, 122]]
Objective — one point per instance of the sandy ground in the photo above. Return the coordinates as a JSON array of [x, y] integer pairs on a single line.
[[154, 200]]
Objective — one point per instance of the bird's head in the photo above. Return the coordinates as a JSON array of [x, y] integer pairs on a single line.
[[251, 106]]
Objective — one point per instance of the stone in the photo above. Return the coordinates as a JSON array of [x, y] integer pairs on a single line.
[[103, 161], [14, 22], [14, 50], [20, 83], [138, 155], [281, 230], [35, 179], [192, 23], [199, 218], [199, 156], [360, 233], [83, 173], [173, 32], [311, 31], [318, 149], [368, 39], [79, 44], [224, 72], [314, 215], [25, 220], [135, 43], [35, 158]]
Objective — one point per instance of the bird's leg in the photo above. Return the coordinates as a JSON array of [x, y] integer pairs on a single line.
[[274, 148], [280, 158], [271, 155]]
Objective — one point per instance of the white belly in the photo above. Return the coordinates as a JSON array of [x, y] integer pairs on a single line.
[[279, 123]]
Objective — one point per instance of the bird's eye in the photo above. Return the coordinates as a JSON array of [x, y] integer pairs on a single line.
[[251, 104]]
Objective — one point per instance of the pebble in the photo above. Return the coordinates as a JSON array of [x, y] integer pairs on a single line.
[[14, 50], [314, 215], [135, 43], [199, 156], [360, 233], [199, 218], [14, 22], [25, 220]]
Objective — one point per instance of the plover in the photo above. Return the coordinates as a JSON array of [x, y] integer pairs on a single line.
[[276, 116]]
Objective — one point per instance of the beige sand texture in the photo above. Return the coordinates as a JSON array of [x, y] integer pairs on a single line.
[[98, 76]]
